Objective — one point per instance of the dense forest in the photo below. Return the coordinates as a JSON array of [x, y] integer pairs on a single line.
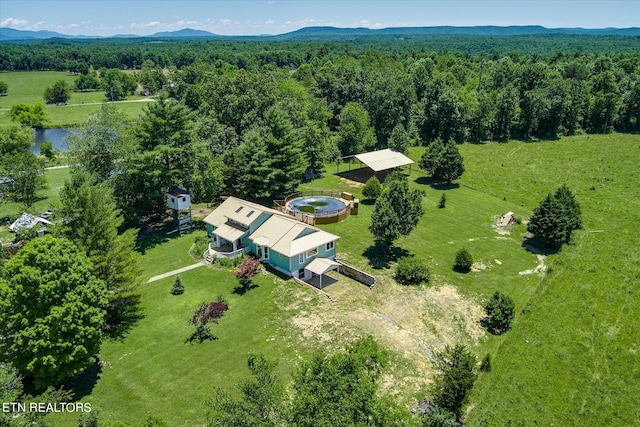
[[255, 118]]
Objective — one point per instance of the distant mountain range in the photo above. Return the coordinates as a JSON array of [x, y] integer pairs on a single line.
[[315, 33]]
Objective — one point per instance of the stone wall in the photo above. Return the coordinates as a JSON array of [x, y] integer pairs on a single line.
[[357, 275]]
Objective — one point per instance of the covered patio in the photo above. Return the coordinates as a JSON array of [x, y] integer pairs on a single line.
[[319, 268], [379, 162]]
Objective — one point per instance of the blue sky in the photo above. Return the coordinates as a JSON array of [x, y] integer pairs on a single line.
[[252, 17]]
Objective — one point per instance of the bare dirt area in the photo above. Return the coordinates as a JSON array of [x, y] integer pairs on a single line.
[[413, 323]]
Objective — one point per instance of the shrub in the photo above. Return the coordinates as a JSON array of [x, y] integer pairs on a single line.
[[46, 149], [500, 312], [485, 365], [443, 201], [246, 270], [372, 189], [412, 271], [225, 262], [464, 261], [178, 287]]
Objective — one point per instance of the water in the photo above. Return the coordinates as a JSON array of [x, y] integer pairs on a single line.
[[56, 136]]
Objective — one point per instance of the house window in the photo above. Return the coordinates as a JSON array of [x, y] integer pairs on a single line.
[[301, 273], [313, 252], [266, 253], [330, 245], [250, 213], [301, 258], [239, 209]]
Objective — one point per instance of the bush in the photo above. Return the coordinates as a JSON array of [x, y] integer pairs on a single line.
[[500, 312], [178, 287], [443, 201], [464, 261], [412, 271], [372, 189], [485, 365], [225, 262], [46, 149]]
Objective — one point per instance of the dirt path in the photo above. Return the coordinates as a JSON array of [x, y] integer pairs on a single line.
[[176, 272]]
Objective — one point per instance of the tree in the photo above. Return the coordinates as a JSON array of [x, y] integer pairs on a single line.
[[58, 336], [400, 139], [442, 161], [246, 270], [412, 271], [91, 219], [15, 139], [87, 81], [46, 150], [10, 391], [372, 188], [355, 135], [101, 142], [205, 314], [500, 311], [250, 166], [25, 172], [286, 158], [178, 286], [59, 93], [555, 218], [341, 390], [261, 401], [3, 88], [396, 212], [454, 378], [463, 261], [438, 417], [117, 84], [29, 115], [443, 201]]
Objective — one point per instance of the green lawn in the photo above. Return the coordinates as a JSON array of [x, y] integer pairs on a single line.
[[571, 358], [29, 86]]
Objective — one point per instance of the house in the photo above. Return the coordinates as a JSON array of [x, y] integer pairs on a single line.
[[291, 247]]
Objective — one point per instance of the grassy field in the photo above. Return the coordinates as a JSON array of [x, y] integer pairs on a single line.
[[29, 86], [569, 360], [572, 357]]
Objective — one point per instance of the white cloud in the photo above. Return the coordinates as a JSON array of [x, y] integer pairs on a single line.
[[14, 23], [138, 26], [269, 22]]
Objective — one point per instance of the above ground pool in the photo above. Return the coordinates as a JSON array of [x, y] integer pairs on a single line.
[[316, 205]]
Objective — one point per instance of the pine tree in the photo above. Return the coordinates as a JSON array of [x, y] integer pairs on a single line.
[[286, 159]]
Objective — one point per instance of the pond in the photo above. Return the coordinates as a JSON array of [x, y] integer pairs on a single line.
[[56, 136]]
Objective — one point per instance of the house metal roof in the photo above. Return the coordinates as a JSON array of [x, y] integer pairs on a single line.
[[384, 159], [27, 220], [287, 236], [320, 266], [238, 210]]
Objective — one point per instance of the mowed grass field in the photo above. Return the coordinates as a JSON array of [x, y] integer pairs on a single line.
[[29, 86], [569, 360]]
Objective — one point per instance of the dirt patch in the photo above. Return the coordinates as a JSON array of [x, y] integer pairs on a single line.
[[539, 269], [413, 323]]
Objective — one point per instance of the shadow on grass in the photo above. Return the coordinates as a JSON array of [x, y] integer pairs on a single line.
[[124, 311], [536, 247], [425, 180], [241, 290], [158, 233], [368, 202], [201, 336], [82, 384], [381, 256]]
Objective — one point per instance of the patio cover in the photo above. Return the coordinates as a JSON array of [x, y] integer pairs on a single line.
[[384, 159], [228, 232], [320, 266]]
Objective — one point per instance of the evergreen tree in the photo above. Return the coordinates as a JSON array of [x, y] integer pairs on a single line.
[[454, 378], [500, 311], [178, 286], [372, 188], [442, 161], [400, 139], [463, 261], [286, 159], [396, 212], [252, 175], [555, 218]]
